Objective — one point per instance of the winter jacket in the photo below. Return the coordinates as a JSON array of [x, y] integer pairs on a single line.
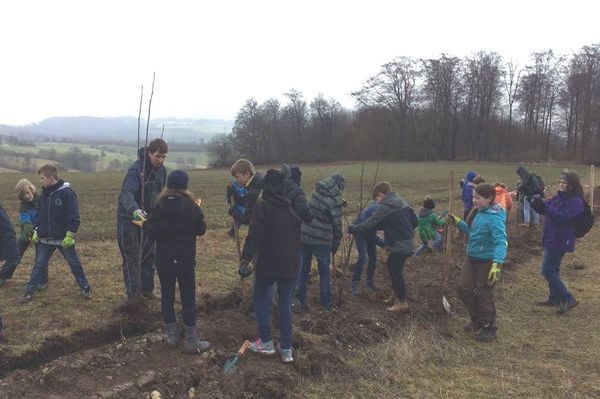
[[503, 199], [364, 215], [58, 212], [561, 210], [487, 234], [295, 194], [467, 191], [130, 198], [326, 207], [428, 224], [529, 183], [28, 215], [253, 190], [174, 224], [8, 241], [397, 220], [274, 235], [234, 196]]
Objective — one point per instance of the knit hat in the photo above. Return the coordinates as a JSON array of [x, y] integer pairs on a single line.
[[428, 203], [339, 180], [178, 180], [273, 181]]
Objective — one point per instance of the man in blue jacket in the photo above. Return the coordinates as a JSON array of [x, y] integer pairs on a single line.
[[58, 223], [132, 212]]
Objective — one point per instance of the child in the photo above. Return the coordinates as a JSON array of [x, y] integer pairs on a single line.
[[246, 177], [58, 223], [274, 239], [398, 221], [174, 223], [503, 198], [486, 250], [467, 192], [9, 251], [321, 237], [428, 225], [28, 218], [366, 245], [531, 187], [559, 237], [234, 197]]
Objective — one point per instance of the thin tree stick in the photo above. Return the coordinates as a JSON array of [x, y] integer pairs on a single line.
[[162, 132], [139, 118]]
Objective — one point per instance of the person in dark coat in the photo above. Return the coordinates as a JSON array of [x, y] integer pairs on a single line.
[[274, 240], [559, 237], [133, 211], [174, 224], [529, 189], [9, 251]]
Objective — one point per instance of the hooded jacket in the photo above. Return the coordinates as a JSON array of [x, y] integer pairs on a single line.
[[274, 235], [326, 208], [561, 210], [487, 234], [428, 224], [58, 212], [130, 198], [253, 190], [28, 214], [467, 191], [503, 199], [397, 220], [528, 185]]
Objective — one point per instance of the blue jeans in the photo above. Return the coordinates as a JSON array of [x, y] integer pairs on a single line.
[[367, 248], [529, 215], [436, 243], [263, 287], [323, 254], [559, 294], [43, 253]]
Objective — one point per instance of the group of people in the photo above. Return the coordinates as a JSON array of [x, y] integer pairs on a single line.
[[158, 220]]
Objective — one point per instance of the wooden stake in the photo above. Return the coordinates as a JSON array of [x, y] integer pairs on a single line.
[[592, 184]]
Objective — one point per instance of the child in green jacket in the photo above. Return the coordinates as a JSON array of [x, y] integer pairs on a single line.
[[428, 228]]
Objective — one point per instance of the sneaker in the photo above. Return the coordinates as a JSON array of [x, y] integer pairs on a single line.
[[399, 307], [266, 348], [286, 356], [564, 308], [41, 287], [487, 334], [2, 281], [151, 295], [86, 292], [27, 296]]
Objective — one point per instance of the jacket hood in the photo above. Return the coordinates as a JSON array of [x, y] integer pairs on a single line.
[[60, 184], [522, 172], [424, 212], [328, 187], [393, 200], [275, 198], [470, 176], [493, 209]]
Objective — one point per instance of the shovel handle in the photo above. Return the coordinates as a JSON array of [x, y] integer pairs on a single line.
[[243, 348]]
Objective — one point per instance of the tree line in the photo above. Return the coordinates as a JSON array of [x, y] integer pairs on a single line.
[[480, 107]]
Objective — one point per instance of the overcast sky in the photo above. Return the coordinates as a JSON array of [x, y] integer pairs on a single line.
[[72, 58]]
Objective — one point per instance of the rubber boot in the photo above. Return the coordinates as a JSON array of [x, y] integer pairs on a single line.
[[399, 306], [192, 343], [173, 335]]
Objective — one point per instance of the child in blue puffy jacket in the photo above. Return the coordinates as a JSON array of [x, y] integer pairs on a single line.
[[486, 249]]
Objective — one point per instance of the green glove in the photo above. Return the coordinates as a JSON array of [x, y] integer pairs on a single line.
[[34, 237], [69, 240], [139, 217], [494, 274], [452, 219]]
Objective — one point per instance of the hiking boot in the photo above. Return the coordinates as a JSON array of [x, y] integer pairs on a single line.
[[547, 302], [153, 296], [173, 335], [2, 281], [371, 286], [286, 355], [266, 348], [86, 293], [486, 334], [41, 287], [192, 343], [565, 307], [355, 287], [27, 296], [399, 306]]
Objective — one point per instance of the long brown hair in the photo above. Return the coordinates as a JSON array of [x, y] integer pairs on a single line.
[[171, 192], [487, 191], [573, 184]]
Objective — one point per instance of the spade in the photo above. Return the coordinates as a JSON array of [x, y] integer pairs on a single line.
[[231, 363]]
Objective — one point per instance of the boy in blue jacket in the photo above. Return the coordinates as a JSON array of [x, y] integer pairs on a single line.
[[366, 246], [58, 223]]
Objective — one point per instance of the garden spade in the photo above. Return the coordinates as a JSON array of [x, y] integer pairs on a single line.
[[231, 363]]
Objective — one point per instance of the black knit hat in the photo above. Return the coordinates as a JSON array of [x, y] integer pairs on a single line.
[[178, 180], [273, 181], [428, 203]]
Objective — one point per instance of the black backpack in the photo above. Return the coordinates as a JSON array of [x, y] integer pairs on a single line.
[[584, 222], [537, 183]]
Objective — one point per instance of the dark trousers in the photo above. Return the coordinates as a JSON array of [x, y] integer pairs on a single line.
[[187, 293], [134, 271], [476, 293], [395, 265]]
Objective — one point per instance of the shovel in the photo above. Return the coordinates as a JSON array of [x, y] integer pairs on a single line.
[[231, 363]]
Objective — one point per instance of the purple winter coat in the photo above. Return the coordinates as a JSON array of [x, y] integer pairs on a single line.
[[560, 212]]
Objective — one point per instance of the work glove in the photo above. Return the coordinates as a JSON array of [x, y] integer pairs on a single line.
[[245, 270], [69, 240], [452, 219], [34, 237], [139, 217], [494, 274]]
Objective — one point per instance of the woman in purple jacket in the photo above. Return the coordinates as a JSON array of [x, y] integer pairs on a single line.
[[559, 237]]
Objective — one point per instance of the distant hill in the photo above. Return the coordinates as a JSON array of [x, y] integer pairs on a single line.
[[93, 129]]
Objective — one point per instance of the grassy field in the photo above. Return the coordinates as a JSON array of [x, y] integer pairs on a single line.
[[537, 355]]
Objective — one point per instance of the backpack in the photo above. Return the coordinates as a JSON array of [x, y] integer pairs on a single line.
[[584, 222], [537, 183]]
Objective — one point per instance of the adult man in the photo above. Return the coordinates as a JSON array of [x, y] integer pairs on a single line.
[[145, 179]]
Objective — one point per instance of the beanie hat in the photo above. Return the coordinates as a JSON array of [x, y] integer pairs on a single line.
[[178, 180], [428, 203], [273, 181], [339, 180]]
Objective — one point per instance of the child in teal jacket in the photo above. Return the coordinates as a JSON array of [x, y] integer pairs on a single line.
[[486, 250]]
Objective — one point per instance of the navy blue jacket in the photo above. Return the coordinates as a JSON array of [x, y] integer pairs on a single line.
[[58, 211]]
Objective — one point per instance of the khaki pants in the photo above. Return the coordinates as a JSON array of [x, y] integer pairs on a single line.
[[475, 292]]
